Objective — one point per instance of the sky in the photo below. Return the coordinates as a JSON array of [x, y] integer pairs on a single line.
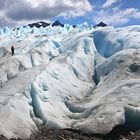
[[116, 13]]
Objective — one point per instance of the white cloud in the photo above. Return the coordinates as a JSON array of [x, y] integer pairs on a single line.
[[109, 3], [117, 16], [70, 8], [31, 10], [77, 8]]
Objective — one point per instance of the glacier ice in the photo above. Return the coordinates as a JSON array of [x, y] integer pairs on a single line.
[[63, 77]]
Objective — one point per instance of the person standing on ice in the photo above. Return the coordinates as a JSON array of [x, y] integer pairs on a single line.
[[12, 50]]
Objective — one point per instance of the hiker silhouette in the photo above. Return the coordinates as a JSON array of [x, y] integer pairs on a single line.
[[12, 50]]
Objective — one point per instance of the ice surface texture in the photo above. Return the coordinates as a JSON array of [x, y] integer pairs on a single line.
[[64, 77]]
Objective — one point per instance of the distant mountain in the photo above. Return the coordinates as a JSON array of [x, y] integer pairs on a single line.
[[44, 24], [101, 24], [39, 24], [57, 23]]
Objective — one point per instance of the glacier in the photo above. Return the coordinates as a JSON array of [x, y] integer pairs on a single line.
[[81, 78]]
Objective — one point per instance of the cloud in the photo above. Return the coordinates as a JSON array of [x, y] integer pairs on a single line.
[[29, 10], [109, 3], [5, 21], [3, 4], [117, 16]]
